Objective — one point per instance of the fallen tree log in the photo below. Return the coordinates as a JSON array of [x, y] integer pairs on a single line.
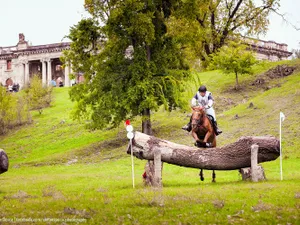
[[3, 161], [230, 157]]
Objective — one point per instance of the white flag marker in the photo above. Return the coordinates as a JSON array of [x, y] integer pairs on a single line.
[[281, 119], [130, 136], [282, 116]]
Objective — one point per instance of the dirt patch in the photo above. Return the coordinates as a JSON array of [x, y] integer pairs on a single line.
[[218, 204], [82, 213], [261, 207], [20, 195], [50, 191], [223, 103], [274, 73], [280, 71]]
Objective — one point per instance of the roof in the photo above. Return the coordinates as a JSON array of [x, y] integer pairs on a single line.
[[13, 51]]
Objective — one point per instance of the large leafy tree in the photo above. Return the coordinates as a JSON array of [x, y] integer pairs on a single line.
[[130, 64], [205, 26], [234, 58]]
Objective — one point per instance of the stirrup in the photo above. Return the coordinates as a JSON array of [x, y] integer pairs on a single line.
[[218, 132], [186, 128]]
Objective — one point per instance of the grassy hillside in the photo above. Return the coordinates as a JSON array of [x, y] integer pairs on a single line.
[[58, 169]]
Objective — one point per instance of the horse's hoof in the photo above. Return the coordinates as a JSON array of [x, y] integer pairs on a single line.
[[201, 178], [213, 181]]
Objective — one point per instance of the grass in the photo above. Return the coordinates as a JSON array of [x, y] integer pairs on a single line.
[[61, 171], [103, 195]]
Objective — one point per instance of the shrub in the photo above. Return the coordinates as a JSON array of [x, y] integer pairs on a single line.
[[13, 111], [38, 97]]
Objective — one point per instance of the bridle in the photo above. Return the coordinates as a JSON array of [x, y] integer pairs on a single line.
[[198, 121]]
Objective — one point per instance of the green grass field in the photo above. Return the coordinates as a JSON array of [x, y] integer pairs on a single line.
[[61, 173]]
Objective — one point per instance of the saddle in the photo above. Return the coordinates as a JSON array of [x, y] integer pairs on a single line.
[[212, 122]]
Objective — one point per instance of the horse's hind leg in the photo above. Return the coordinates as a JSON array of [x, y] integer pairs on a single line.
[[201, 175], [213, 176]]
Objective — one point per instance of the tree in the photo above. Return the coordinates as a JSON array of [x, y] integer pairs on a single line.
[[296, 54], [234, 58], [207, 25], [131, 66]]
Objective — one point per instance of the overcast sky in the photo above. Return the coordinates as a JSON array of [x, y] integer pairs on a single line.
[[41, 21], [48, 21]]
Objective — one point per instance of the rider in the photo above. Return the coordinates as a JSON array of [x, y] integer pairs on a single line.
[[204, 98]]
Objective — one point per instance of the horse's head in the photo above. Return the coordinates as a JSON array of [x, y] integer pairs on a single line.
[[197, 116]]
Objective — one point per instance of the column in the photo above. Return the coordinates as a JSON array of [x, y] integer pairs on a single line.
[[67, 76], [49, 72], [20, 74], [2, 74], [44, 72], [26, 73]]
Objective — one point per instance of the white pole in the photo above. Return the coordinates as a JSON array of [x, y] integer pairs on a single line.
[[280, 121], [132, 163]]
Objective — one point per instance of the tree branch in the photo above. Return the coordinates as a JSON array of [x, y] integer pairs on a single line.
[[284, 19], [250, 18], [226, 28], [201, 22], [235, 10]]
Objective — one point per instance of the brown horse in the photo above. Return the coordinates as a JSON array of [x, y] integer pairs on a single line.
[[203, 133]]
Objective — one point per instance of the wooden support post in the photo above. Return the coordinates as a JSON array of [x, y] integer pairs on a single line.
[[254, 168], [157, 168]]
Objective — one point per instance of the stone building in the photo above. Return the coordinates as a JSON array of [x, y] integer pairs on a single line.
[[268, 50], [19, 63]]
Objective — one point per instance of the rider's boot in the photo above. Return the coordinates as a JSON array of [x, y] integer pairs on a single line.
[[218, 131], [187, 127]]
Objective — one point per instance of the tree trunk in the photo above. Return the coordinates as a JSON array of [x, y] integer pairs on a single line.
[[230, 157], [3, 161], [149, 167], [147, 129], [146, 122], [237, 86]]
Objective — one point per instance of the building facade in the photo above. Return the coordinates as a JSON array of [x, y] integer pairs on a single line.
[[21, 62], [18, 64], [268, 50]]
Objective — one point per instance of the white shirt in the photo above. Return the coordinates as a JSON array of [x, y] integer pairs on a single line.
[[206, 101]]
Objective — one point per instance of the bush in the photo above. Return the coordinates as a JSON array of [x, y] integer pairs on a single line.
[[13, 111], [38, 97]]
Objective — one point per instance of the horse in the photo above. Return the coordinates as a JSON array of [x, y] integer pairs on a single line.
[[203, 133]]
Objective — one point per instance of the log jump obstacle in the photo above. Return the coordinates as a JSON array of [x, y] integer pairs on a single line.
[[233, 156], [3, 161]]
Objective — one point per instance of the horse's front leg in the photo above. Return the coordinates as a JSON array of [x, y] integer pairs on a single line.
[[195, 136], [207, 135], [213, 176]]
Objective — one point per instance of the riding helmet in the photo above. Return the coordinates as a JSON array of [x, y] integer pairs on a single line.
[[202, 89]]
